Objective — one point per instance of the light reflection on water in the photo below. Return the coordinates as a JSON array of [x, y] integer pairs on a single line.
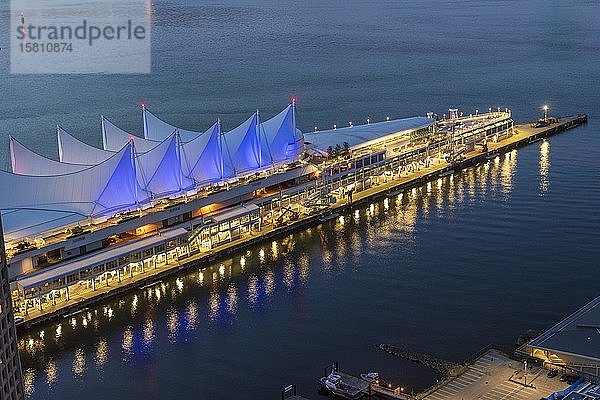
[[79, 362], [51, 373], [101, 353], [544, 167], [174, 307]]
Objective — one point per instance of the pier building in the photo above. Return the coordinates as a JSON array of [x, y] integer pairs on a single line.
[[99, 218], [573, 343]]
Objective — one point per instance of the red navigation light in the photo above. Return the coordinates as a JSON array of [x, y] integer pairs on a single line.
[[131, 136], [143, 105], [294, 99]]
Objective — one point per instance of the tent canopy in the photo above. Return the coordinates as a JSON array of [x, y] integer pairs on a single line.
[[114, 138], [74, 151], [157, 129], [27, 162], [98, 190]]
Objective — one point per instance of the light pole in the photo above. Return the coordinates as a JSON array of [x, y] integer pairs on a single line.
[[545, 112], [525, 376]]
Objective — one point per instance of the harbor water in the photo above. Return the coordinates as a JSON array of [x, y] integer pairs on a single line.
[[445, 269]]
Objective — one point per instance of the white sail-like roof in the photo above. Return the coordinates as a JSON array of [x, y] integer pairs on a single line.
[[18, 224], [114, 138], [98, 190], [74, 151], [202, 158], [280, 141], [158, 130], [27, 162], [159, 170], [243, 148]]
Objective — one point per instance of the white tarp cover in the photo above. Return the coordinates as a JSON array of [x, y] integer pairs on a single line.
[[73, 151], [202, 158], [98, 190], [28, 162], [243, 148], [280, 141], [114, 138], [158, 130], [19, 224], [159, 170]]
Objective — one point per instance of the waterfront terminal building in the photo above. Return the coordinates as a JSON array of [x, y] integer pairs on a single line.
[[573, 343], [94, 218]]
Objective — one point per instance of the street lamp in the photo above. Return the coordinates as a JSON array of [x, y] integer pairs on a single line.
[[545, 112], [525, 376]]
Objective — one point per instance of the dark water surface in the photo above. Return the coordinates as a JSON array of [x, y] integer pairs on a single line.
[[448, 269]]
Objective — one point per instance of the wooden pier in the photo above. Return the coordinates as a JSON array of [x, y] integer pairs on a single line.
[[524, 135], [368, 389]]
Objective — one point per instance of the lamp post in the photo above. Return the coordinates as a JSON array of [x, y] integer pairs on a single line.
[[525, 376], [545, 112]]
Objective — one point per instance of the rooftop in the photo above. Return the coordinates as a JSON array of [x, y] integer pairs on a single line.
[[69, 267], [363, 135], [578, 334]]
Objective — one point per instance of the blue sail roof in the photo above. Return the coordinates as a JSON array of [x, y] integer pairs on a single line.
[[280, 141], [243, 147], [161, 169], [203, 157]]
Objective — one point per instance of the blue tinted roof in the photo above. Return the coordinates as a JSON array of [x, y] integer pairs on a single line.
[[360, 135]]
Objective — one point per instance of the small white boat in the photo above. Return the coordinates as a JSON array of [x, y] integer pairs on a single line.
[[333, 384], [371, 377]]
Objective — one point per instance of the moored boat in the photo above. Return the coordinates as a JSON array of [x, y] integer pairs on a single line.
[[333, 384], [371, 377]]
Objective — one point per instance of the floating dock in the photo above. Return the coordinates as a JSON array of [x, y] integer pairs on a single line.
[[524, 135]]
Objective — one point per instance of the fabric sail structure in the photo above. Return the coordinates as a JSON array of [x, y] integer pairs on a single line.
[[99, 190], [114, 138], [158, 130], [159, 170], [27, 162], [202, 158], [280, 141], [243, 148], [73, 151]]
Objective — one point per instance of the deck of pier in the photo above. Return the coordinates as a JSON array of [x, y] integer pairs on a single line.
[[369, 389], [494, 376], [525, 134]]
